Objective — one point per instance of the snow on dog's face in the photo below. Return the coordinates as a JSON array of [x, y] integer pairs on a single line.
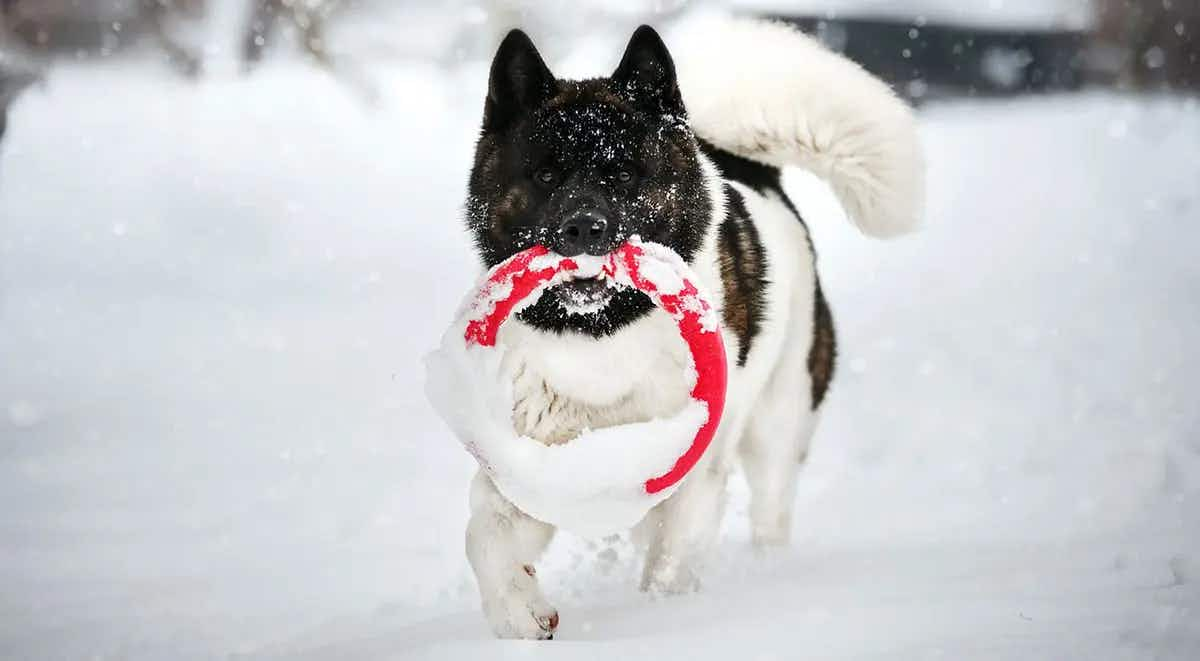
[[581, 166]]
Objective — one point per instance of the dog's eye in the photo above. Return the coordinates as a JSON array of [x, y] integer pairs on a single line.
[[545, 176], [625, 175]]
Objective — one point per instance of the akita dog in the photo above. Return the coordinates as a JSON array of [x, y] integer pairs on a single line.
[[691, 160]]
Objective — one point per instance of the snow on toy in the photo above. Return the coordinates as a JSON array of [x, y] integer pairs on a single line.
[[606, 479]]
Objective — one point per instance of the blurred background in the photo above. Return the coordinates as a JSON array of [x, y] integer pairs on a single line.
[[925, 48], [230, 229]]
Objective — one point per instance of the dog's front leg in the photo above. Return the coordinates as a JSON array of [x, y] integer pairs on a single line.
[[684, 528], [502, 545]]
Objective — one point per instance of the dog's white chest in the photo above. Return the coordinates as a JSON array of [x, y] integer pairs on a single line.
[[563, 384]]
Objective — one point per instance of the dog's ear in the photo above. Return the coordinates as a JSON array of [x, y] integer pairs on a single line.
[[519, 81], [646, 74]]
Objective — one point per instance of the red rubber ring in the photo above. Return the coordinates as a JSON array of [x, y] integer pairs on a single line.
[[705, 345]]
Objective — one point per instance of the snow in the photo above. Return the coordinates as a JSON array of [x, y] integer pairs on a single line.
[[214, 298]]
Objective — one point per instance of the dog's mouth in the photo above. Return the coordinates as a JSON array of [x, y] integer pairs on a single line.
[[583, 295]]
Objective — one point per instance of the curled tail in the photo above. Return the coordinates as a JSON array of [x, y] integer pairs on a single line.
[[768, 92]]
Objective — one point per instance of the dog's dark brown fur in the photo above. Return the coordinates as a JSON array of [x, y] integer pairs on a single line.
[[823, 353], [743, 271]]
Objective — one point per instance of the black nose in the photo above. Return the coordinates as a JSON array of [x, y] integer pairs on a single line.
[[584, 231]]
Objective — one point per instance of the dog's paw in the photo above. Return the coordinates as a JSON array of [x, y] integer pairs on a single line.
[[515, 615], [770, 527], [767, 538], [669, 578]]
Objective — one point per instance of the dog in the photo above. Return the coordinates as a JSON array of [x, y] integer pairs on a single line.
[[690, 158]]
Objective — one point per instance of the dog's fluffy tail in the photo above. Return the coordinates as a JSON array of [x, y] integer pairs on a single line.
[[767, 92]]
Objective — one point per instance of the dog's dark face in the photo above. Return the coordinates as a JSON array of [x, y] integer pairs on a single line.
[[581, 166]]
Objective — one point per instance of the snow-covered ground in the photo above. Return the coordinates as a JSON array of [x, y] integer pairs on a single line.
[[214, 298]]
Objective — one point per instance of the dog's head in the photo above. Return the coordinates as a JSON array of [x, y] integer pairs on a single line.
[[580, 167]]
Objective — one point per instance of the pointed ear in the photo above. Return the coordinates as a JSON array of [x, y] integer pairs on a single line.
[[519, 81], [646, 74]]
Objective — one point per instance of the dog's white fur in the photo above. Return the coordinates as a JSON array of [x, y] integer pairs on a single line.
[[820, 112], [771, 93]]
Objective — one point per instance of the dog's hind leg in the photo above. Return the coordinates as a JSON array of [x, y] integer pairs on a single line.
[[772, 452], [502, 545], [783, 420]]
